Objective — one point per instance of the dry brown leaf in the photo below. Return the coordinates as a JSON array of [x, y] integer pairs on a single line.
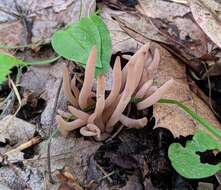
[[13, 133], [167, 116], [171, 25], [72, 152], [75, 152], [181, 1], [12, 33], [15, 130], [19, 179], [39, 19], [208, 15], [45, 81], [121, 42], [4, 187], [67, 180], [170, 116], [173, 21]]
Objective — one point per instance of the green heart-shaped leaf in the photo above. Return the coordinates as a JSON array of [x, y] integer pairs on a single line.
[[187, 162], [106, 46], [76, 42]]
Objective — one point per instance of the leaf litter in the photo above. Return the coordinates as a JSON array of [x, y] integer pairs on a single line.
[[38, 20], [75, 152]]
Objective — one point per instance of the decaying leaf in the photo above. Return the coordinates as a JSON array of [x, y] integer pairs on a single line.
[[47, 16], [71, 152], [169, 23], [167, 116], [15, 130], [121, 41], [67, 180], [4, 187], [173, 22], [44, 81], [13, 133], [38, 20], [208, 14], [12, 33], [20, 179], [170, 116]]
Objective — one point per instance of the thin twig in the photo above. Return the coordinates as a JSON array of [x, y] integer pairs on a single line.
[[210, 92], [7, 104], [107, 176], [105, 173], [80, 12], [31, 142], [51, 180], [115, 134], [10, 100], [14, 14], [17, 96]]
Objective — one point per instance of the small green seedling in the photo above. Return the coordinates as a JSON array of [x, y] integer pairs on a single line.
[[8, 61], [185, 160], [76, 42]]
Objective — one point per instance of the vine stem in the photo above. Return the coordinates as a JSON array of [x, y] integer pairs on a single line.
[[195, 116]]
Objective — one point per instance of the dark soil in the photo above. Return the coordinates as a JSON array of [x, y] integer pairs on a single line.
[[143, 153], [32, 110], [211, 87]]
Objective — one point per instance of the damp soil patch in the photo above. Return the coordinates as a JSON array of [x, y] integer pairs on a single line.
[[142, 156], [211, 87]]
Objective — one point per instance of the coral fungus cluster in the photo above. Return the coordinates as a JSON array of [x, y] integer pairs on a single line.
[[135, 80]]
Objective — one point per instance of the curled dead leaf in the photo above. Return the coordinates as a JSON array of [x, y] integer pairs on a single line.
[[207, 15], [67, 180]]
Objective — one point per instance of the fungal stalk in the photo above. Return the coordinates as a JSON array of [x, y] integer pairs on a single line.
[[135, 80]]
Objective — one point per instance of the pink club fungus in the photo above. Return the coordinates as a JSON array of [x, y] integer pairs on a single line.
[[135, 80]]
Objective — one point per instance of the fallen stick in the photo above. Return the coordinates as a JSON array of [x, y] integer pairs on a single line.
[[33, 141]]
